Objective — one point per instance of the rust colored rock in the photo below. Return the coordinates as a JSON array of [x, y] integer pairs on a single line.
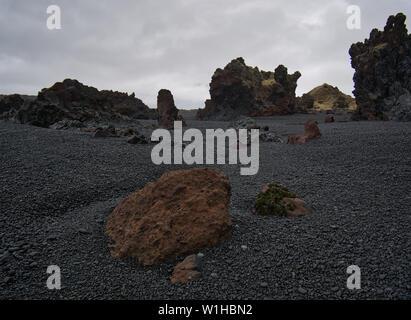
[[181, 213], [72, 100], [186, 270], [299, 207], [167, 111], [241, 90], [311, 132]]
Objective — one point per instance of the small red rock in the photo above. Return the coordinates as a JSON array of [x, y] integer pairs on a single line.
[[183, 212], [186, 270]]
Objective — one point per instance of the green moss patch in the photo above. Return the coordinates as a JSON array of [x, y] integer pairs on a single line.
[[269, 200]]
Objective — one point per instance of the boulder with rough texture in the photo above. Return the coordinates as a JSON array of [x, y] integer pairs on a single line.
[[311, 132], [276, 199], [382, 78], [71, 100], [167, 111], [67, 124], [181, 213], [240, 90], [187, 270]]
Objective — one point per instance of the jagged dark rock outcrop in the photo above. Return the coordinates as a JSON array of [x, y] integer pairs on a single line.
[[71, 100], [10, 104], [12, 101], [382, 76], [240, 90]]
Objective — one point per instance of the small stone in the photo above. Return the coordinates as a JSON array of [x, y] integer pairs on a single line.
[[264, 284], [7, 280], [302, 290], [244, 247], [214, 275], [83, 231]]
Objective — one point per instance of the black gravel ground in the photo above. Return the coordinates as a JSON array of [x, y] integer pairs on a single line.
[[59, 187]]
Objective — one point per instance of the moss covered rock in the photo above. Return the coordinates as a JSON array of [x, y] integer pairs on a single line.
[[275, 199]]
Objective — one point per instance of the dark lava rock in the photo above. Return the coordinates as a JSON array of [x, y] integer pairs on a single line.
[[329, 119], [382, 76], [67, 124], [137, 139], [12, 101], [239, 89], [167, 111], [182, 212], [311, 131], [305, 103], [71, 100], [109, 131], [327, 97]]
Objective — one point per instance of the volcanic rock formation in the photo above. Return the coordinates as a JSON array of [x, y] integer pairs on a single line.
[[276, 199], [311, 132], [71, 100], [382, 76], [166, 109], [12, 101], [305, 103], [327, 97], [242, 90], [181, 213], [186, 270]]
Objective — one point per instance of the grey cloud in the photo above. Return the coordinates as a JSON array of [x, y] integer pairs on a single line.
[[143, 46]]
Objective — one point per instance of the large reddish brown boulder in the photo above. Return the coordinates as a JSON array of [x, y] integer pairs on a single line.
[[382, 78], [295, 207], [186, 271], [181, 213], [167, 111], [241, 90], [311, 132]]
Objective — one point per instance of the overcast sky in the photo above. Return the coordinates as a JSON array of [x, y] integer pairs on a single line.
[[143, 46]]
